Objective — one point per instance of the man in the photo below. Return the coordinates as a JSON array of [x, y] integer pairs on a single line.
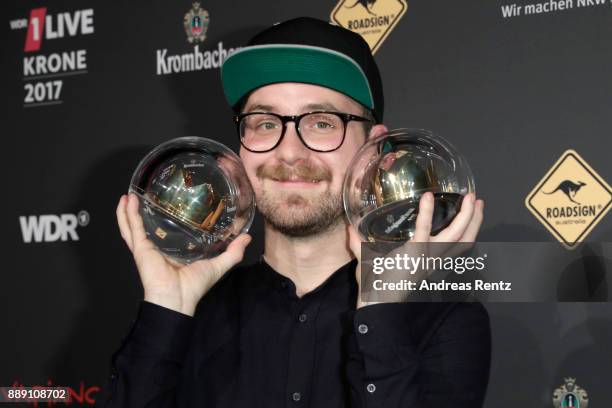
[[290, 330]]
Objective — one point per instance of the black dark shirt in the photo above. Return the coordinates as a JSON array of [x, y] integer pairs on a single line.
[[254, 343]]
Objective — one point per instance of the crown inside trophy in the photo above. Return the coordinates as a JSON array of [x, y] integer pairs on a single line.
[[390, 174], [195, 197]]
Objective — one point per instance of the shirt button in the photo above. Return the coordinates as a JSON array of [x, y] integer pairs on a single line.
[[363, 329], [371, 388], [296, 396], [303, 317]]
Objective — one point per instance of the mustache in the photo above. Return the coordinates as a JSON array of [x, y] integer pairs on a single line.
[[300, 172]]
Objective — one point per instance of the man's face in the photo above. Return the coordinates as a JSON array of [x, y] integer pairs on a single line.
[[298, 190]]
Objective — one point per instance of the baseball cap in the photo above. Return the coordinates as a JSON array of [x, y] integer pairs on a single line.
[[306, 50]]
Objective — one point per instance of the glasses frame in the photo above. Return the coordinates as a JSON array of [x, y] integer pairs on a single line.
[[344, 117]]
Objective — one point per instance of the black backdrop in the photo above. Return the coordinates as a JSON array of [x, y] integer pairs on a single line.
[[511, 93]]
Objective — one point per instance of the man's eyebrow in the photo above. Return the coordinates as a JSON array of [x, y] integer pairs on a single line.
[[259, 108], [320, 106], [326, 106]]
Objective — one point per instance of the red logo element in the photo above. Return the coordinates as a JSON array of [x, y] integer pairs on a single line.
[[83, 395], [35, 29]]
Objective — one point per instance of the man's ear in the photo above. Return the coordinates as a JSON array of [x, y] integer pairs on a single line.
[[376, 131]]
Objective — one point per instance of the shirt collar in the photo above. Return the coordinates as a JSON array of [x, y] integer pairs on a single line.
[[338, 278]]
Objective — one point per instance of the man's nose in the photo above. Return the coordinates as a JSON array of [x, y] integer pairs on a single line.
[[291, 148]]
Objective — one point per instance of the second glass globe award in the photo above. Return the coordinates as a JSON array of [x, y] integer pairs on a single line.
[[195, 197], [388, 176]]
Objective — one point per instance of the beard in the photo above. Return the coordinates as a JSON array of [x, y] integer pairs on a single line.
[[299, 214]]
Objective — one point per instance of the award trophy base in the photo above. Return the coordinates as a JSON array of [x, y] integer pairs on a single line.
[[176, 238], [395, 222]]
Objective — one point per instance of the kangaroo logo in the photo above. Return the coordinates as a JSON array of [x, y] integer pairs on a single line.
[[569, 188], [570, 224], [367, 5], [372, 19]]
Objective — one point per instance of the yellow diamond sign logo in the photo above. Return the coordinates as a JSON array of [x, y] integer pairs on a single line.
[[570, 200], [372, 19]]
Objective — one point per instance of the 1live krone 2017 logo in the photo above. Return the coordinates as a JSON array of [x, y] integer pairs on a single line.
[[43, 72]]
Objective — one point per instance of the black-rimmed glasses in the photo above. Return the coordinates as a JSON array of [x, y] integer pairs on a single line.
[[321, 131]]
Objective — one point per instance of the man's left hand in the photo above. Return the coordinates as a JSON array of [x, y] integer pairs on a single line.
[[463, 228]]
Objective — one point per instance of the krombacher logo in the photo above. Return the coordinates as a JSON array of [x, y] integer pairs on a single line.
[[372, 19], [570, 200]]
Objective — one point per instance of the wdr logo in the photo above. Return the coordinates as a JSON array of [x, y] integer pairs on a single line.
[[50, 228]]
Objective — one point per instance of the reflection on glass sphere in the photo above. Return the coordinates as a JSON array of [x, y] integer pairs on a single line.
[[195, 197], [388, 176]]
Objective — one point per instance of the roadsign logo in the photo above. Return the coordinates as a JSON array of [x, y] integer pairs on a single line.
[[570, 200], [372, 19]]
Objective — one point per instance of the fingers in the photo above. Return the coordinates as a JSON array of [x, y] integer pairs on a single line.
[[354, 241], [122, 221], [472, 229], [139, 236], [231, 256], [422, 229], [458, 226]]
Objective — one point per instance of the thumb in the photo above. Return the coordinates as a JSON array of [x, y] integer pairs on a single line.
[[354, 241], [232, 255]]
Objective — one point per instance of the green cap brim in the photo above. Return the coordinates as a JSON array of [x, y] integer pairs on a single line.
[[253, 67]]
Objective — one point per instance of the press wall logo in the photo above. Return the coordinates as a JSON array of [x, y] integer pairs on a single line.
[[195, 22], [570, 395], [570, 200], [372, 19], [42, 72], [51, 227]]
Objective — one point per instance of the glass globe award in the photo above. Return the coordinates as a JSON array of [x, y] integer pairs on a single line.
[[388, 176], [195, 197]]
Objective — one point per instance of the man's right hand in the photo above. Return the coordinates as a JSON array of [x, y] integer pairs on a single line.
[[166, 282]]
